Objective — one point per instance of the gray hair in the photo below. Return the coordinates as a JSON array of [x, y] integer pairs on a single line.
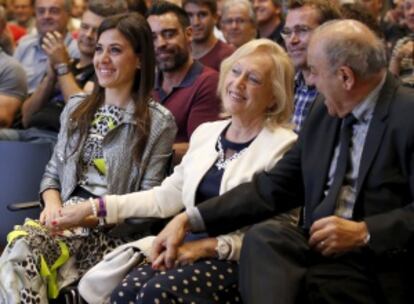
[[230, 3], [357, 47], [107, 8]]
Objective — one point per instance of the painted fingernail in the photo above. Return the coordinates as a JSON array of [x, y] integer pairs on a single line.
[[54, 223]]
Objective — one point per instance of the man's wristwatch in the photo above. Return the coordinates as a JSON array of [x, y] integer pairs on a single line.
[[62, 69], [222, 249]]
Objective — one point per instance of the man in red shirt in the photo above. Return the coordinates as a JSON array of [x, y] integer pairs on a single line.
[[183, 85], [206, 48]]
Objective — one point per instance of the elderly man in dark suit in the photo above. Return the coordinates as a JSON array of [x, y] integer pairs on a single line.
[[353, 172]]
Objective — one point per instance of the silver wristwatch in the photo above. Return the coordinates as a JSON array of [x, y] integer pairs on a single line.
[[223, 249], [62, 69]]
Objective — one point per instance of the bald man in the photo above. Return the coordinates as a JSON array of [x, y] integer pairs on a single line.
[[352, 171]]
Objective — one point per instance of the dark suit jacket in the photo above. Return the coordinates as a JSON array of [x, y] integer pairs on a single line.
[[385, 187]]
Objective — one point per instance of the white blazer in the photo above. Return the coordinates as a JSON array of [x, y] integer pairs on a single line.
[[178, 190]]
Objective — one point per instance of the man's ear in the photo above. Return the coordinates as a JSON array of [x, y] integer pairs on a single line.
[[347, 77], [189, 33]]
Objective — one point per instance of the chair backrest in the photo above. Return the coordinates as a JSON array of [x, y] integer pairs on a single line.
[[21, 167]]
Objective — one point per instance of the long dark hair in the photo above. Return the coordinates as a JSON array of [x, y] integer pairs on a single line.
[[136, 30]]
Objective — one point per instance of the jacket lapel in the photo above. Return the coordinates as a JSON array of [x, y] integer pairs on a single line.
[[376, 130], [205, 161], [323, 142]]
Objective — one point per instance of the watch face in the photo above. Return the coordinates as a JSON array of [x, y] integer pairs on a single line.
[[223, 250], [62, 69]]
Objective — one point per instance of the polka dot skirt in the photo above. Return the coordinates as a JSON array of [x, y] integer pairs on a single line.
[[208, 281]]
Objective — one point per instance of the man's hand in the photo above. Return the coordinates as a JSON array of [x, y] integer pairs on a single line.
[[191, 252], [165, 247], [406, 50], [334, 235], [55, 48]]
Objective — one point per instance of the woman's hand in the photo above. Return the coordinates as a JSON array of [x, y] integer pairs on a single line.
[[53, 204], [72, 216], [191, 252], [50, 212]]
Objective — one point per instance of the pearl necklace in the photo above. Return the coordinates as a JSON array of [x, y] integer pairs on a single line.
[[222, 162]]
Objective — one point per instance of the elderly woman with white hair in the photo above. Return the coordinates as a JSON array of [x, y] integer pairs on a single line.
[[256, 87]]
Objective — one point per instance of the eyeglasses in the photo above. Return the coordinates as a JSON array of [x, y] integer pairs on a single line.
[[238, 21], [300, 31]]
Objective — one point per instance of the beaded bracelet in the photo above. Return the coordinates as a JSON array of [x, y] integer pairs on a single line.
[[91, 201]]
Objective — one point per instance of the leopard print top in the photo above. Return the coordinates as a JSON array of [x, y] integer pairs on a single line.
[[93, 177]]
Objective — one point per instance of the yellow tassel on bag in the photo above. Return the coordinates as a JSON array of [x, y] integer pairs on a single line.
[[49, 274]]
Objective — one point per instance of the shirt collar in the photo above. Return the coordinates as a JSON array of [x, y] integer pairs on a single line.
[[195, 69], [364, 110], [300, 82]]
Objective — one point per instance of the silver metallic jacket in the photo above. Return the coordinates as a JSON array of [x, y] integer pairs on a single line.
[[123, 174]]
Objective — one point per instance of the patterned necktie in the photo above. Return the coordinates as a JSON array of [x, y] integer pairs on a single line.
[[328, 204]]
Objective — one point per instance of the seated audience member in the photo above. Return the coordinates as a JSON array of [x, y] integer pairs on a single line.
[[16, 32], [390, 31], [117, 140], [78, 8], [374, 8], [395, 14], [357, 11], [183, 85], [51, 15], [256, 90], [76, 12], [12, 32], [13, 89], [238, 22], [269, 18], [355, 244], [205, 47], [7, 40], [406, 28], [23, 13], [41, 111], [138, 6], [302, 18], [402, 58], [217, 32], [13, 86]]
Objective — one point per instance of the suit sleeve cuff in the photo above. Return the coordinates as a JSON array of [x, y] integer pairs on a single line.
[[195, 219]]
